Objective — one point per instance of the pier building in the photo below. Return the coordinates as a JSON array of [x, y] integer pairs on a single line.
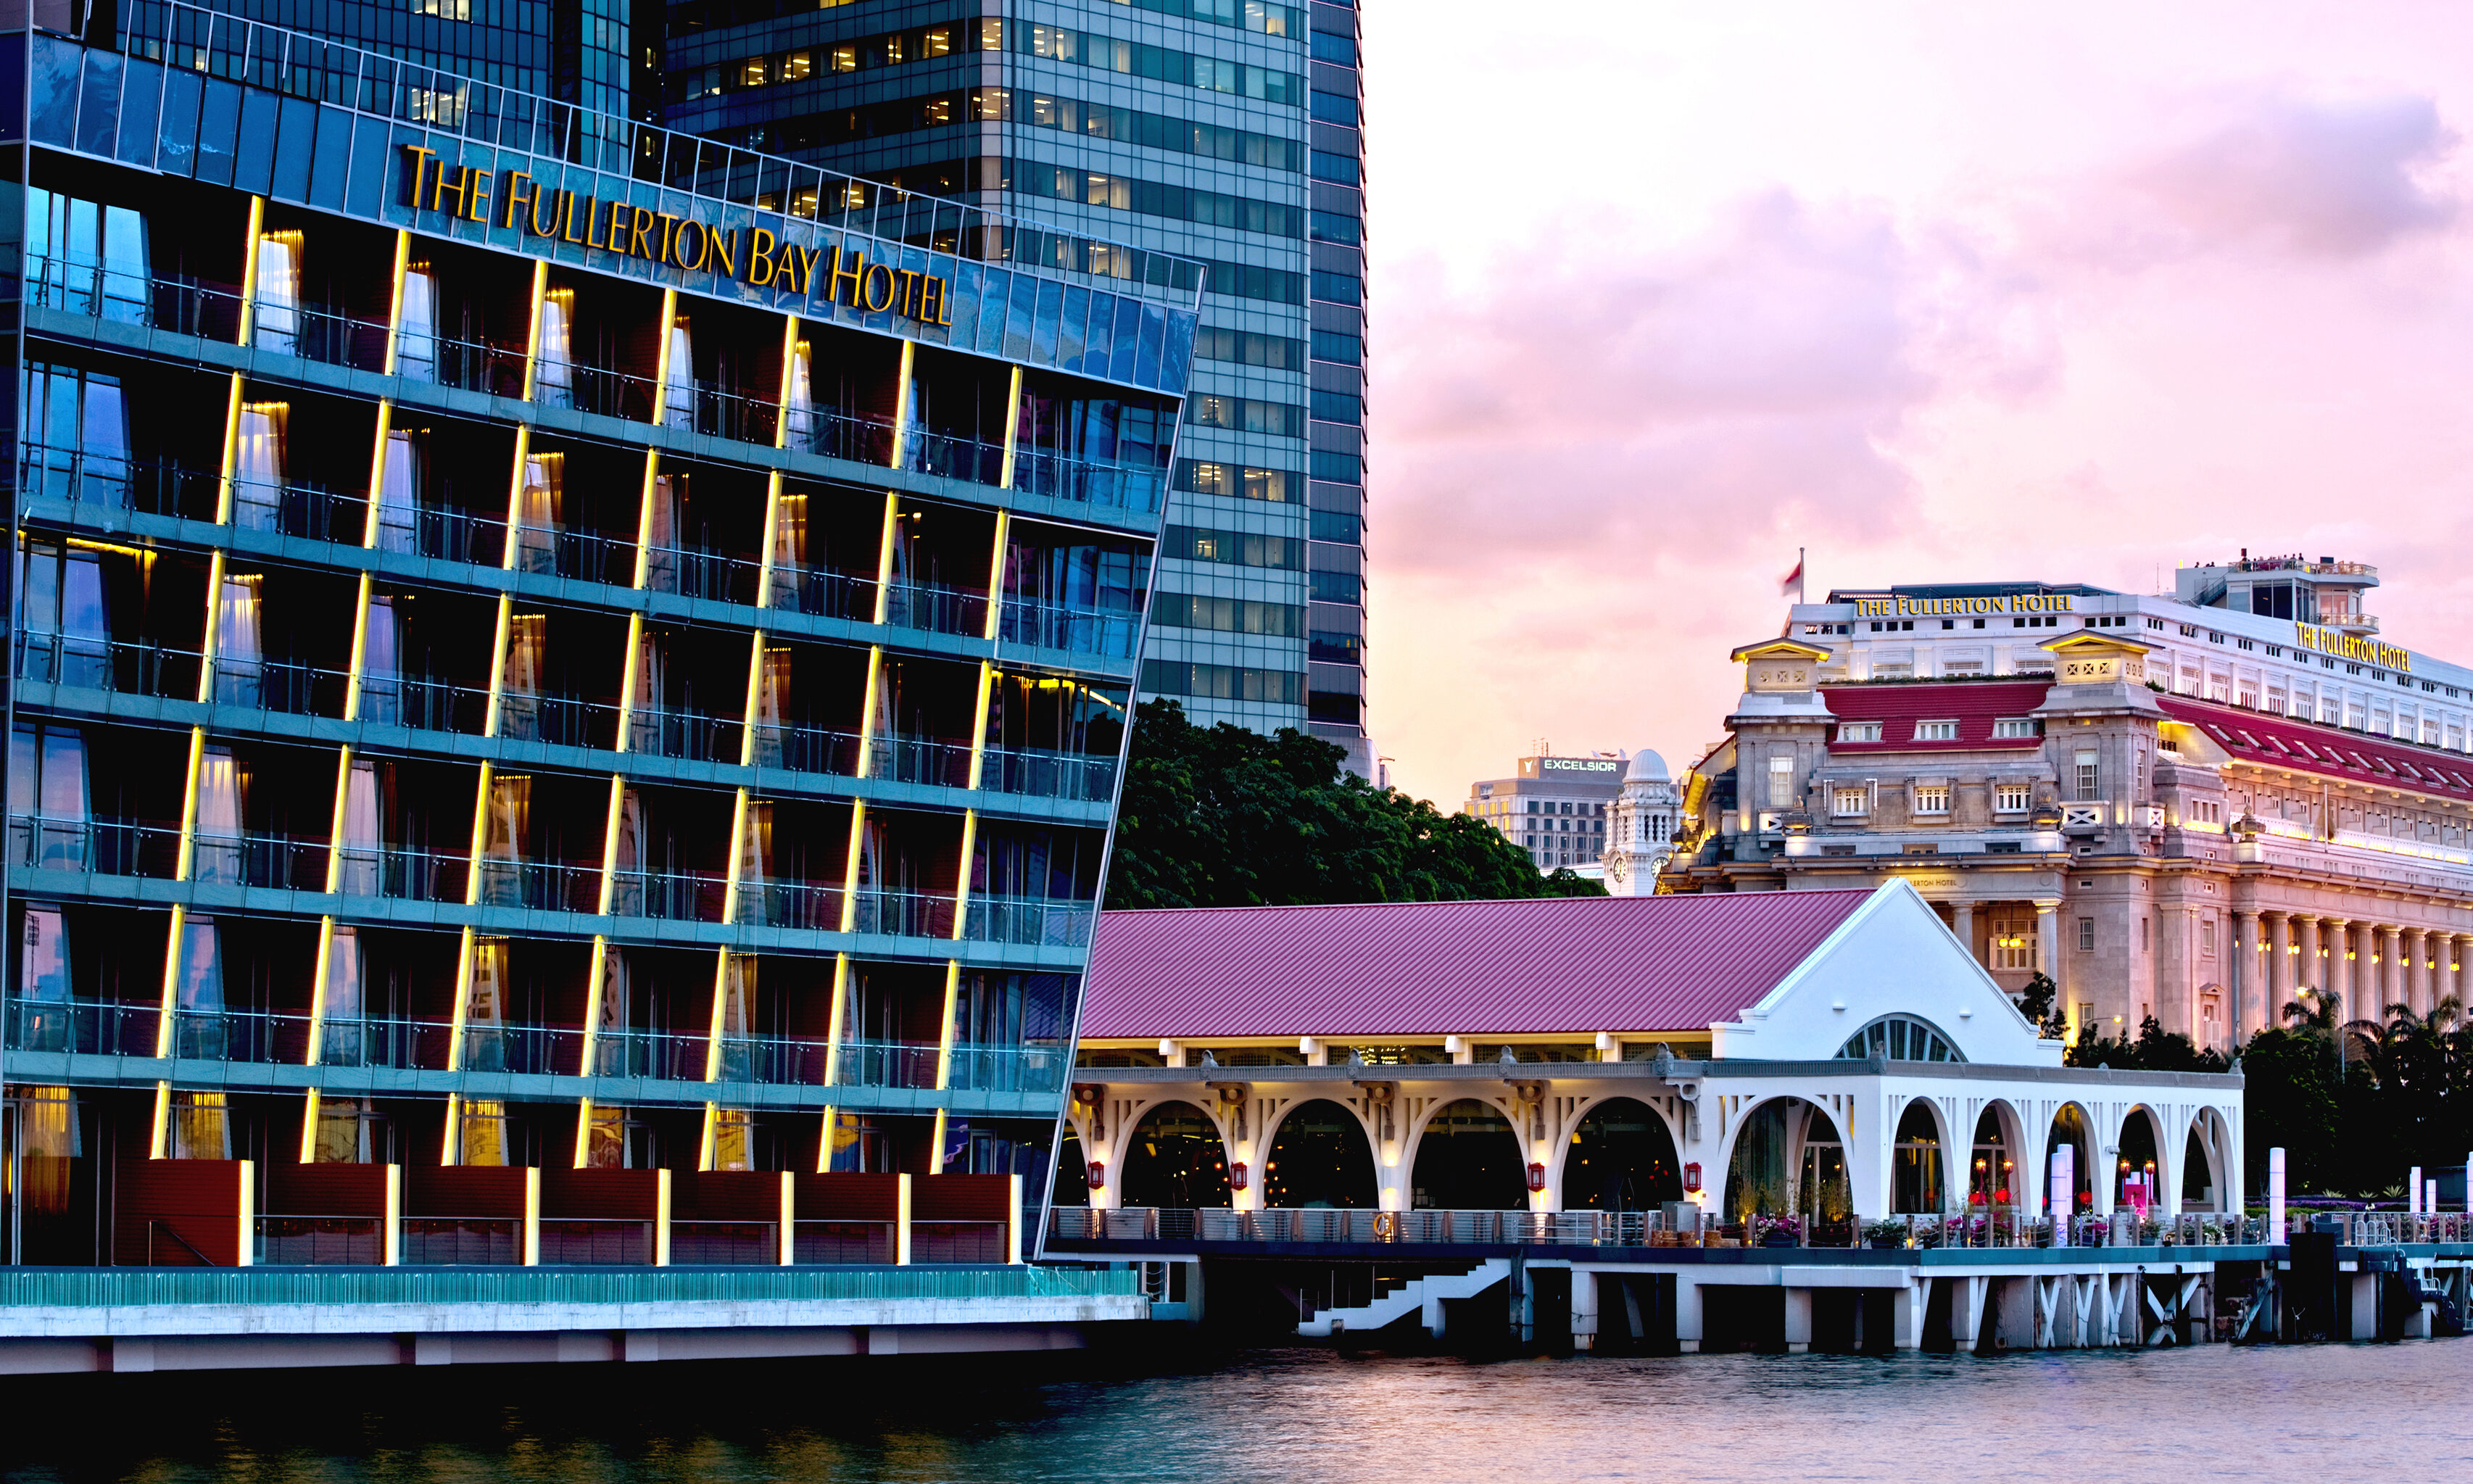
[[1645, 1118], [2190, 807], [560, 724]]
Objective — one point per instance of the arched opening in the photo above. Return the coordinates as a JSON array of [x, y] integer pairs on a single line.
[[2202, 1188], [1622, 1158], [2069, 1132], [1468, 1160], [1787, 1160], [1992, 1178], [2135, 1170], [1319, 1159], [1174, 1160], [1071, 1186], [1917, 1182]]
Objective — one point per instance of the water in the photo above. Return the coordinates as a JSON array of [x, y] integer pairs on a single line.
[[1319, 1416]]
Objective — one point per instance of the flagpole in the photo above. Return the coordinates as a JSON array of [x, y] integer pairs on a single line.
[[1798, 576]]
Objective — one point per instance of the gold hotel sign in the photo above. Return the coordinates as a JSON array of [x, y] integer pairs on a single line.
[[1941, 607], [2351, 646], [757, 254]]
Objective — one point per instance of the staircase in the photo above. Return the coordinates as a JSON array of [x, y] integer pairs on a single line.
[[1424, 1294]]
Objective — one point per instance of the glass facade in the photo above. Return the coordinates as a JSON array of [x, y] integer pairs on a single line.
[[548, 645], [1225, 132]]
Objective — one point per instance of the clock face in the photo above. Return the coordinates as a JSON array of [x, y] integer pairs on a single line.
[[1616, 867]]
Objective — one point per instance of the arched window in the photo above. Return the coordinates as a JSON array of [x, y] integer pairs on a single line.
[[1899, 1038], [1915, 1165]]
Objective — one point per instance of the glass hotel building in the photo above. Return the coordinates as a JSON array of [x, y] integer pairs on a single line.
[[569, 680], [1225, 130]]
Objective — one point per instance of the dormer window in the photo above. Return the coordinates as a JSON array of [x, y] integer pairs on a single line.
[[1858, 731], [1937, 732], [2015, 727]]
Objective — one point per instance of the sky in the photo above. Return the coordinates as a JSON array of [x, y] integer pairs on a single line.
[[1660, 293]]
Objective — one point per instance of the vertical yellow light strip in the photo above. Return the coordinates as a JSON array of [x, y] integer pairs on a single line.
[[711, 1130], [480, 839], [318, 1007], [377, 471], [232, 453], [451, 1143], [186, 857], [248, 1203], [532, 1216], [782, 399], [833, 1028], [336, 821], [945, 1049], [979, 726], [789, 1244], [715, 1024], [498, 664], [394, 301], [850, 866], [644, 520], [360, 647], [393, 1251], [592, 1005], [824, 1146], [462, 1003], [901, 1221], [249, 271], [901, 407], [159, 1140], [1013, 1220], [884, 556], [309, 1127], [627, 680], [516, 497], [1012, 429], [962, 887], [867, 711], [532, 335], [753, 709], [609, 850], [936, 1145], [661, 357], [997, 576], [583, 1132], [772, 535], [214, 628], [661, 1219]]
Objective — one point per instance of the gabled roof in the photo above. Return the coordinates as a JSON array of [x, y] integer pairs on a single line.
[[2306, 746], [1975, 705], [1779, 647], [2098, 640], [1572, 966]]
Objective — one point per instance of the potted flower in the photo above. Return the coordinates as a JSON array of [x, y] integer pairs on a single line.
[[1885, 1233], [1780, 1230]]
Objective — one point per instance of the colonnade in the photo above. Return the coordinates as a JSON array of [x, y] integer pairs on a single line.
[[2367, 965]]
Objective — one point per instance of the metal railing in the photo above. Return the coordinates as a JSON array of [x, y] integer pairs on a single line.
[[823, 594], [1085, 482], [957, 1241], [1069, 626], [597, 1243], [689, 736], [954, 457], [1639, 1229], [562, 721], [250, 1036], [108, 846], [403, 874], [668, 896], [866, 1242], [979, 1069], [1032, 921], [936, 609], [356, 1241], [92, 1027], [1040, 774], [903, 914], [542, 1050], [543, 886], [919, 760], [810, 906], [461, 1241], [724, 1243], [378, 1041], [278, 861], [806, 749], [885, 1064], [838, 435], [424, 703], [662, 1055]]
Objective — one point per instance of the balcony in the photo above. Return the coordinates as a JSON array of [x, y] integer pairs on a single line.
[[1037, 772], [1068, 626]]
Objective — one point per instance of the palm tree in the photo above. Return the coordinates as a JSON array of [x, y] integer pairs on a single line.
[[2313, 1014]]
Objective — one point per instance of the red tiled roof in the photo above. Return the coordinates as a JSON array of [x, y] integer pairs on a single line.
[[1559, 965], [2306, 746], [1974, 706]]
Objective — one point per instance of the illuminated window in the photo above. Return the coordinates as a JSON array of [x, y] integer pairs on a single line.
[[2013, 940]]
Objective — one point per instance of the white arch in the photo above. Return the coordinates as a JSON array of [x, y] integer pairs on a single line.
[[1268, 1137], [1580, 1111]]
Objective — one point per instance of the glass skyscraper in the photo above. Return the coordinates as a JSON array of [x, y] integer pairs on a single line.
[[557, 715], [1225, 130]]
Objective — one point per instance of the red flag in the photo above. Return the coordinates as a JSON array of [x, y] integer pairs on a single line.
[[1793, 580]]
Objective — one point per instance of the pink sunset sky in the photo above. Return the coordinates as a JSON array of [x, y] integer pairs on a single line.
[[1941, 292]]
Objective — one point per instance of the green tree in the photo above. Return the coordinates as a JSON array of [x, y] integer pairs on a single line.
[[1224, 817], [2039, 1002], [2289, 1100]]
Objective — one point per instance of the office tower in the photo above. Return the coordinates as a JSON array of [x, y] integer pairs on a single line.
[[1220, 129], [526, 663], [1555, 808]]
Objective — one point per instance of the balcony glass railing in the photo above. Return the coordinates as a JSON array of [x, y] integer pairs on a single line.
[[543, 886], [724, 412], [106, 846], [1040, 774], [905, 914], [303, 1241], [93, 1027], [461, 1241], [1087, 482], [103, 477], [424, 703], [296, 506], [954, 457], [611, 393], [254, 1036], [824, 594], [806, 749], [280, 861], [919, 760], [975, 1068], [183, 305], [688, 735], [936, 609], [809, 906], [542, 1050], [1033, 921], [885, 1064], [403, 873], [668, 896], [839, 435], [1069, 626], [564, 721], [378, 1041], [724, 1243]]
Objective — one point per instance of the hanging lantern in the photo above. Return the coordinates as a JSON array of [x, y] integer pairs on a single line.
[[1236, 1175], [1099, 1173], [1692, 1178], [1536, 1176]]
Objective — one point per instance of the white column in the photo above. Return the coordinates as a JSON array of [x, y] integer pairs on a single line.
[[1798, 1321], [1687, 1330]]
